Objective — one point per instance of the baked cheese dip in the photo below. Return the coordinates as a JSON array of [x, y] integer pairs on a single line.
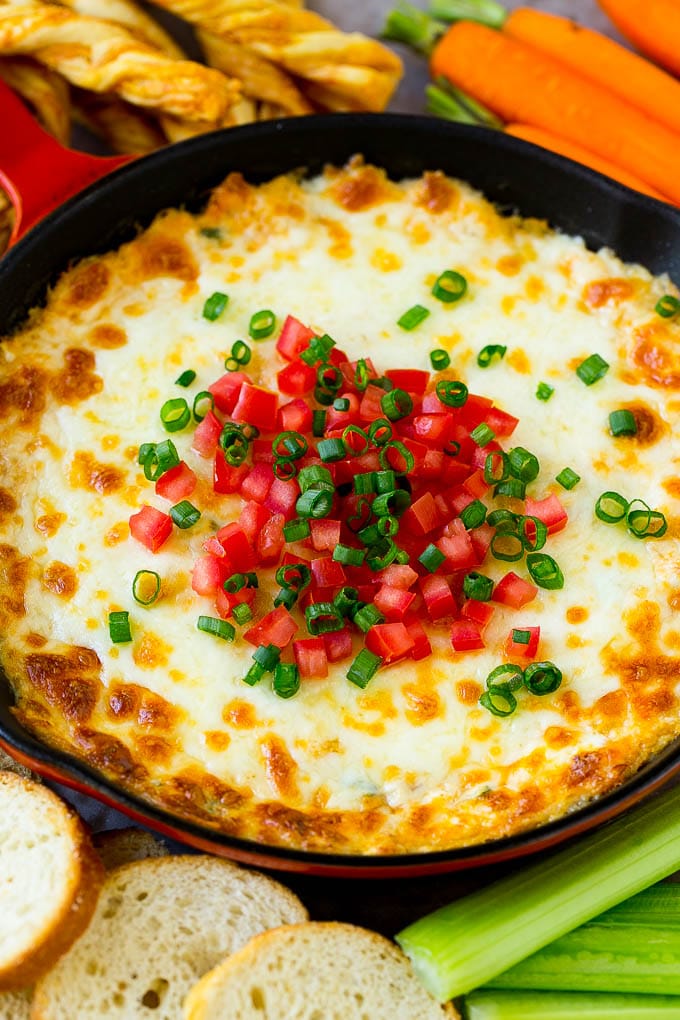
[[344, 515]]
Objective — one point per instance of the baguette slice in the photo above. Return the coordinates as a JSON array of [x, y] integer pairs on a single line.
[[160, 924], [313, 971], [15, 1005], [50, 879], [122, 846]]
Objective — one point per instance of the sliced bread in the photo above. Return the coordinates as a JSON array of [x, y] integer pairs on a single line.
[[15, 1005], [159, 926], [315, 971], [49, 880], [9, 764], [122, 846]]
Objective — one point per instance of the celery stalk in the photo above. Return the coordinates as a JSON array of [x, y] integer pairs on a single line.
[[485, 12], [568, 1006], [634, 947], [466, 944], [410, 25], [451, 103]]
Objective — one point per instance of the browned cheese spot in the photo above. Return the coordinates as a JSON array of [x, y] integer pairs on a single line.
[[422, 705], [577, 614], [509, 265], [8, 505], [69, 682], [436, 193], [77, 380], [217, 740], [154, 749], [240, 715], [151, 651], [650, 426], [132, 703], [279, 766], [161, 255], [108, 753], [360, 187], [60, 579], [612, 707], [87, 473], [22, 395], [587, 769], [232, 200], [49, 524], [36, 640], [557, 737], [13, 580], [656, 352], [87, 284], [469, 692], [601, 292], [340, 238], [107, 336], [646, 674]]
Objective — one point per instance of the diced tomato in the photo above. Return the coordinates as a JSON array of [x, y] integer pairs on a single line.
[[234, 541], [311, 658], [454, 471], [225, 601], [252, 519], [282, 497], [261, 450], [151, 527], [296, 379], [207, 435], [176, 484], [348, 369], [413, 380], [393, 603], [209, 574], [475, 484], [457, 547], [294, 338], [370, 407], [517, 649], [438, 598], [514, 591], [479, 612], [500, 422], [226, 390], [421, 643], [458, 500], [341, 419], [422, 516], [481, 539], [276, 628], [480, 453], [271, 540], [256, 406], [325, 534], [338, 644], [474, 411], [548, 510], [398, 575], [433, 429], [326, 573], [433, 464], [258, 482], [419, 451], [466, 636], [227, 478], [391, 641], [295, 416]]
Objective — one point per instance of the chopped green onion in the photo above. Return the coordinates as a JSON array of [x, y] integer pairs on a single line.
[[286, 681], [388, 526], [567, 478], [364, 483], [318, 350], [323, 618], [507, 546], [380, 431], [346, 600], [544, 571], [186, 378], [592, 369], [499, 701], [439, 359], [369, 535], [382, 554], [314, 503], [496, 467], [396, 404], [367, 616], [449, 287], [318, 423], [289, 444], [533, 533], [477, 586], [146, 587], [391, 504], [285, 597], [643, 522], [473, 515], [234, 583], [294, 575], [544, 392], [284, 468], [242, 613], [262, 324], [622, 423], [219, 628], [503, 520], [667, 306], [254, 674], [431, 558], [203, 402], [451, 392], [175, 414], [361, 375], [119, 627], [330, 450], [542, 677], [611, 507], [383, 482], [315, 476], [398, 447], [514, 488], [267, 656], [215, 305], [363, 668], [351, 447], [508, 676], [296, 530], [144, 450], [158, 458], [523, 464], [521, 637], [348, 555], [341, 404], [482, 435], [329, 377], [488, 353], [214, 232], [413, 317], [240, 356], [184, 514]]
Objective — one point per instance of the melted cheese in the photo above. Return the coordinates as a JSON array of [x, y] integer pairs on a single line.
[[413, 762]]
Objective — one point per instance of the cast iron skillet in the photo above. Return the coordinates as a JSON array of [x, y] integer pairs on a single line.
[[513, 174]]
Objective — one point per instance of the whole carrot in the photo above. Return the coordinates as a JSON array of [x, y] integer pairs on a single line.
[[602, 60], [653, 26], [521, 84]]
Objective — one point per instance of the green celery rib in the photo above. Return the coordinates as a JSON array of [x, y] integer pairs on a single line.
[[568, 1006], [451, 103], [410, 25], [634, 947], [485, 12], [464, 945]]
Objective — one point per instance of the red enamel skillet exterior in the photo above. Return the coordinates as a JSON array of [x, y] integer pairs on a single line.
[[515, 175]]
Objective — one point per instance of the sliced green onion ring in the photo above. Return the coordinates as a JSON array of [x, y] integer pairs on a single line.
[[611, 507], [142, 592], [451, 392], [380, 431], [397, 447], [449, 287], [215, 305], [203, 402], [217, 627], [262, 324], [544, 571], [413, 317], [622, 423], [184, 514], [119, 627], [508, 675], [489, 353], [529, 525], [542, 677], [396, 404], [186, 378], [499, 701], [643, 522], [175, 414], [440, 359], [667, 306]]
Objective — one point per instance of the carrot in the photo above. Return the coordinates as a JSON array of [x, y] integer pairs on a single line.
[[601, 60], [653, 26], [548, 140], [520, 84]]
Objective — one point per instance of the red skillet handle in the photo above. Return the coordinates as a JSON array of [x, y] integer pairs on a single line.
[[37, 172]]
